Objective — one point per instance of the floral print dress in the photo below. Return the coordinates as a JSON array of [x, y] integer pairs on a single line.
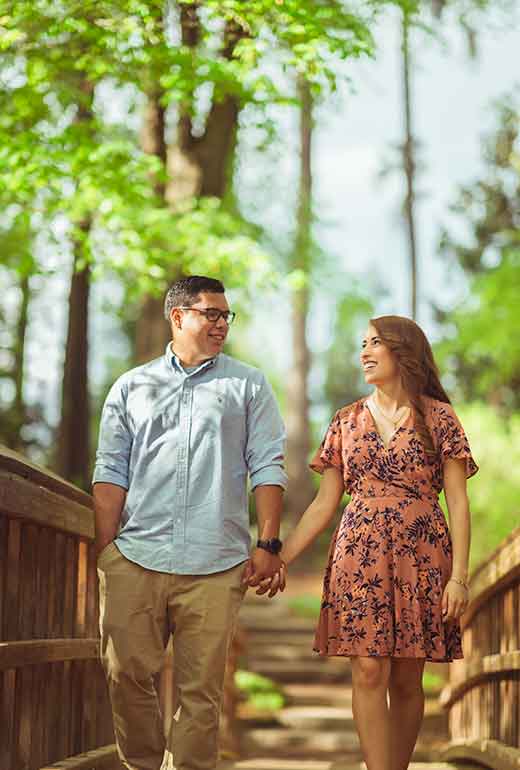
[[390, 556]]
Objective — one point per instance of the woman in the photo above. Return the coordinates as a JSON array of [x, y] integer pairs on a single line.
[[396, 582]]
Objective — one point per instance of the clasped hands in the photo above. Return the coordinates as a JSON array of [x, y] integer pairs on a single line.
[[265, 571]]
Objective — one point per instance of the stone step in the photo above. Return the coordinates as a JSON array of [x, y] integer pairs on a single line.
[[318, 694], [251, 621], [268, 641], [282, 653], [320, 670], [326, 717], [284, 764], [288, 656], [268, 627], [299, 718], [316, 718], [304, 764], [301, 743]]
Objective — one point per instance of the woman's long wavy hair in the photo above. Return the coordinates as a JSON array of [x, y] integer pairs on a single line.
[[419, 374]]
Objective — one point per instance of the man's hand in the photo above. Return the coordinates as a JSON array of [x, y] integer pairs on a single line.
[[274, 584], [109, 500], [261, 566]]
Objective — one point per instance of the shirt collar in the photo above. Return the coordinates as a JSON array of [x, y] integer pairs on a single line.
[[174, 362]]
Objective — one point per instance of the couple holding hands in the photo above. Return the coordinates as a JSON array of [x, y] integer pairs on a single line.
[[179, 439]]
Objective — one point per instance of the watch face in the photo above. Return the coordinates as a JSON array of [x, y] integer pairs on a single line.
[[273, 545]]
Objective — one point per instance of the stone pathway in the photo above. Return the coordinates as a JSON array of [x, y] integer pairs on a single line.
[[315, 729]]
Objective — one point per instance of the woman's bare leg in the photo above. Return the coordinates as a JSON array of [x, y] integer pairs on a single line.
[[370, 679], [406, 708]]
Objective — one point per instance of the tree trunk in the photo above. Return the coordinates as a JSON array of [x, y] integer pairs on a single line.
[[73, 452], [19, 352], [300, 489], [15, 416], [152, 332], [153, 140], [197, 166], [20, 412], [409, 166], [214, 153], [73, 446]]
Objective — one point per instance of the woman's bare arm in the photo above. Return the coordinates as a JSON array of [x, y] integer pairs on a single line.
[[455, 489]]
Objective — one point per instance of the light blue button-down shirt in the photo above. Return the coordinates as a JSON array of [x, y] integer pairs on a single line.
[[183, 444]]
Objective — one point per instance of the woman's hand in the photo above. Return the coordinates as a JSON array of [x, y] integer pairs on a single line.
[[274, 584], [454, 600]]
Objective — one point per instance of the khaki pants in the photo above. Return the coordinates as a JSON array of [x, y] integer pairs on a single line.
[[139, 609]]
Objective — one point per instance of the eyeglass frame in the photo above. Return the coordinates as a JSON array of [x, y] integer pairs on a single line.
[[231, 315]]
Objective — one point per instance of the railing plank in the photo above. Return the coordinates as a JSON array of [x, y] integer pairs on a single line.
[[4, 532], [37, 725], [57, 628], [28, 596], [24, 682], [35, 651], [104, 758], [22, 499], [42, 569], [7, 705], [490, 753], [484, 690], [498, 572], [21, 466], [12, 596], [467, 674]]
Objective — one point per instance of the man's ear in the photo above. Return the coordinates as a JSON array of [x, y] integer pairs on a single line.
[[176, 318]]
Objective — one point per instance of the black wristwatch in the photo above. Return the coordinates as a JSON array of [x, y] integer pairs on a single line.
[[273, 545]]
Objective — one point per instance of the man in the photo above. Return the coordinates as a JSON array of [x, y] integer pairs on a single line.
[[179, 436]]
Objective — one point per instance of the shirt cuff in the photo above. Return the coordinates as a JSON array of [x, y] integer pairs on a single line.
[[110, 476], [271, 475]]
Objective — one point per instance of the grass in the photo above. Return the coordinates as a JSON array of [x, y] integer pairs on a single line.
[[261, 692], [305, 606], [432, 683]]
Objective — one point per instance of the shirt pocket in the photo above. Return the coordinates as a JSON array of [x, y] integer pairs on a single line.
[[216, 414]]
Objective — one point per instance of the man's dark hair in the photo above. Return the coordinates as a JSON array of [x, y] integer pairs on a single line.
[[186, 291]]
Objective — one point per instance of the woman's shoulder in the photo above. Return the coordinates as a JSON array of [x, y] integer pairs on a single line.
[[437, 410], [350, 411], [434, 404]]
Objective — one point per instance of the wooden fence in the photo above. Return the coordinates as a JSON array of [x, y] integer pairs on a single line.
[[483, 696], [54, 704], [54, 701]]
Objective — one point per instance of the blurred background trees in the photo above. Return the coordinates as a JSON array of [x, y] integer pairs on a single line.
[[140, 141]]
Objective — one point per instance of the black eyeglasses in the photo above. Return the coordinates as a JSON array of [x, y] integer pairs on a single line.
[[213, 314]]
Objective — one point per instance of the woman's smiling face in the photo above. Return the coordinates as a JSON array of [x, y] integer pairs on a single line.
[[378, 363]]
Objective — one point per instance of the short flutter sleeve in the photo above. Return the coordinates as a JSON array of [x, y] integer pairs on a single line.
[[452, 440], [329, 452]]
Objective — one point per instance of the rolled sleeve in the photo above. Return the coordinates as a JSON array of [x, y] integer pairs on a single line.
[[265, 447], [115, 441]]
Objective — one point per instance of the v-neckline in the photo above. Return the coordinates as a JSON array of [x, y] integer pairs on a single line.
[[386, 447]]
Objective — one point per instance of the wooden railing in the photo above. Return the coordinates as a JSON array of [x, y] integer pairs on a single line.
[[483, 696], [54, 702], [54, 708]]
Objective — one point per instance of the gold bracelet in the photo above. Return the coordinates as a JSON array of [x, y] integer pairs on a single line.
[[460, 582]]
